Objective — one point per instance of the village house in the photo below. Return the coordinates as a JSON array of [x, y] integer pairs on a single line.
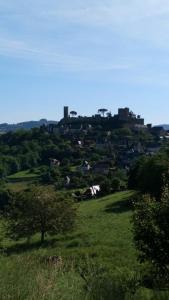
[[153, 149], [86, 167], [54, 162], [102, 167]]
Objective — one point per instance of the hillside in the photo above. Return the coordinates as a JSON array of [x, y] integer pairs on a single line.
[[103, 236], [5, 127], [165, 126], [102, 241], [100, 250]]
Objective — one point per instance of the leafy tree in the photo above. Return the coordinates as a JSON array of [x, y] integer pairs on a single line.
[[121, 174], [105, 186], [73, 113], [77, 182], [66, 162], [39, 210], [5, 197], [151, 231], [12, 164], [102, 111], [123, 132], [46, 177], [3, 170], [147, 174], [116, 184]]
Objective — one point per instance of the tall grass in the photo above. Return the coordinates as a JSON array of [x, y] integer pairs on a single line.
[[29, 277]]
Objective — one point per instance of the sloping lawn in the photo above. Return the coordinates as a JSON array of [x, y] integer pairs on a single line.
[[103, 235]]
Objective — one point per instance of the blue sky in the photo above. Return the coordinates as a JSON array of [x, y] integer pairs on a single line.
[[86, 54]]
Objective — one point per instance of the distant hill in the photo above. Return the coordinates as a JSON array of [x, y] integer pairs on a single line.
[[165, 126], [5, 127]]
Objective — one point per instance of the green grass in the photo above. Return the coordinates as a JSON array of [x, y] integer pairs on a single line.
[[105, 228], [21, 180], [23, 175], [103, 236], [18, 186], [103, 231]]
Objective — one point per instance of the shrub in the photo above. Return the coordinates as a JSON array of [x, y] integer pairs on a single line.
[[151, 233]]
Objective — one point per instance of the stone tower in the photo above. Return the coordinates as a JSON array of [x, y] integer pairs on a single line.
[[66, 112]]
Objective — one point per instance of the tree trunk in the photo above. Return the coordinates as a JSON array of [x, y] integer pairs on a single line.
[[42, 237]]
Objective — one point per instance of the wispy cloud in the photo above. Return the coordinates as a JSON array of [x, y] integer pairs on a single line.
[[53, 59], [83, 35], [109, 12], [143, 20]]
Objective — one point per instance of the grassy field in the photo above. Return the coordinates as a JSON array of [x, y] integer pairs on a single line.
[[24, 175], [18, 186], [103, 237], [21, 180]]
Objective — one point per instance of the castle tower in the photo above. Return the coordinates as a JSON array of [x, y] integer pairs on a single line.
[[66, 112]]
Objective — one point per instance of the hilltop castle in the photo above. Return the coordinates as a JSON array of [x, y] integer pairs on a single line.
[[124, 118]]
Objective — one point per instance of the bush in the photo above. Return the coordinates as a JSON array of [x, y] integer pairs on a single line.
[[151, 234], [5, 197], [103, 284]]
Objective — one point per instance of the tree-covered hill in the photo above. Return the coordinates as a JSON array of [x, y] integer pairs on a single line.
[[5, 127], [95, 157]]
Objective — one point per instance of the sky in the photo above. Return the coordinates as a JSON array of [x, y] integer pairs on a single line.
[[87, 54]]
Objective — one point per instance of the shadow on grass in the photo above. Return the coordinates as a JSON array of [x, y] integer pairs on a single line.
[[119, 207], [27, 247]]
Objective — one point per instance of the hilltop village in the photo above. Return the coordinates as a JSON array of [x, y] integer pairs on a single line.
[[80, 152], [125, 133], [103, 120], [85, 151]]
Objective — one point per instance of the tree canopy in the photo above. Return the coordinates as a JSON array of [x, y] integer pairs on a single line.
[[102, 111], [39, 210], [151, 231], [147, 174]]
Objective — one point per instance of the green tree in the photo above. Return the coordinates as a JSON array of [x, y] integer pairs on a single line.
[[102, 111], [151, 231], [116, 184], [147, 174], [73, 113], [5, 197], [105, 186], [123, 132], [39, 210]]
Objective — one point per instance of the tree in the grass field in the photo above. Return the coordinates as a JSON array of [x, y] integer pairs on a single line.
[[151, 232], [39, 210]]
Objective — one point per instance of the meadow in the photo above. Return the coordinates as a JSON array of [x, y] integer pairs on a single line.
[[98, 257]]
